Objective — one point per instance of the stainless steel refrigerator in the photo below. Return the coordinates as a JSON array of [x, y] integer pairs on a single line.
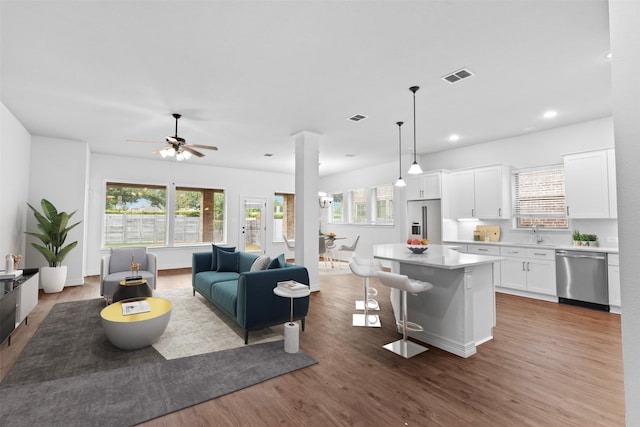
[[425, 220]]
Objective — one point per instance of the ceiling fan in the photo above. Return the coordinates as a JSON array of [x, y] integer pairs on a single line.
[[177, 146]]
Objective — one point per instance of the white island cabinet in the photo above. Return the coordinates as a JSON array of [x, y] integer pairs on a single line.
[[458, 314]]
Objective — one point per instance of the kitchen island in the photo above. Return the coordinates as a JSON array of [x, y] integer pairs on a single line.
[[459, 313]]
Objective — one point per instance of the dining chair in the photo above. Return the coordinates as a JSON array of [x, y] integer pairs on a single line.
[[351, 248], [291, 246]]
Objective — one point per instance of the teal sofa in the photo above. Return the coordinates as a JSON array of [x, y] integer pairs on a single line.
[[247, 296]]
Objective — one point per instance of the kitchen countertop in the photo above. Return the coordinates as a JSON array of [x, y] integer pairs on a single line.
[[438, 256], [550, 246]]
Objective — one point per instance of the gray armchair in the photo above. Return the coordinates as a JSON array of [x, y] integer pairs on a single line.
[[115, 266]]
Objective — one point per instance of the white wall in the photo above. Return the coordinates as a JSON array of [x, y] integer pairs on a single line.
[[369, 234], [534, 149], [237, 183], [625, 33], [59, 170], [15, 150]]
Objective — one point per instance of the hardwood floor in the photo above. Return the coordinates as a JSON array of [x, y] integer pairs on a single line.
[[548, 364]]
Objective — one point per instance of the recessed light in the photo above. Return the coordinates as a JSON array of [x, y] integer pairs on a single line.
[[550, 114], [608, 55], [454, 137]]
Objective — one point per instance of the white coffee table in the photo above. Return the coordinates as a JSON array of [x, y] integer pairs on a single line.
[[291, 329]]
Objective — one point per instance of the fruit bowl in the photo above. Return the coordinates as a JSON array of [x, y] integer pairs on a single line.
[[417, 249]]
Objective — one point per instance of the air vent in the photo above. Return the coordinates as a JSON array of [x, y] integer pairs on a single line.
[[268, 154], [350, 155], [357, 117], [456, 76]]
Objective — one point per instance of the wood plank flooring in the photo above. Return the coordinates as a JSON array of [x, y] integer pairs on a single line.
[[548, 365]]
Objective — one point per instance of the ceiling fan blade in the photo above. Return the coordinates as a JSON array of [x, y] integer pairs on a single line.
[[208, 147], [142, 140], [192, 151]]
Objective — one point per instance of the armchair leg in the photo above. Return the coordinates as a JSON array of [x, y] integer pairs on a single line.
[[194, 292], [302, 321], [246, 337]]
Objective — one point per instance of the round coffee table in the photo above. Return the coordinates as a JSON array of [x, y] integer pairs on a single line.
[[127, 290], [135, 331]]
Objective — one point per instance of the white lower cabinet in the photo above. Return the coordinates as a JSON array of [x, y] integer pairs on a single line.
[[615, 300], [528, 269]]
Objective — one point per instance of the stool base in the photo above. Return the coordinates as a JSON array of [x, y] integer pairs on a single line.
[[406, 349], [373, 305], [367, 321]]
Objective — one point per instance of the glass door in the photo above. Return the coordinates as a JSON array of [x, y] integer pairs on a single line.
[[252, 225]]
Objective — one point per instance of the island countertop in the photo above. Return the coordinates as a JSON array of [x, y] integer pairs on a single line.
[[438, 256]]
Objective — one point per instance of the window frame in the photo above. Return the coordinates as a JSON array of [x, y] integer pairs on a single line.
[[545, 219]]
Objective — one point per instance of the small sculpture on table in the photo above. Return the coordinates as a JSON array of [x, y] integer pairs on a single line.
[[135, 267]]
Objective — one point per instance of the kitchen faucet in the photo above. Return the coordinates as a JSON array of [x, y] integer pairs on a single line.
[[535, 232]]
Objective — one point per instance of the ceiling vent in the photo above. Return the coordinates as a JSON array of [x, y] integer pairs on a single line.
[[456, 76], [357, 117]]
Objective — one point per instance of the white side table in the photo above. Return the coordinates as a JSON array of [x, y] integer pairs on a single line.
[[291, 330]]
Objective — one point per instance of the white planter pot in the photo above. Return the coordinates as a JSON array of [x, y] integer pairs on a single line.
[[53, 278]]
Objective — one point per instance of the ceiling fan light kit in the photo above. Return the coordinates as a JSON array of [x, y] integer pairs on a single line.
[[178, 146], [415, 167]]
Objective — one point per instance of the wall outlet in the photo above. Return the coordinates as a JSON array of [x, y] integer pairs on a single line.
[[612, 239]]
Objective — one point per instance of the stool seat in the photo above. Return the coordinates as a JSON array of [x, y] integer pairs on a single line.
[[366, 268], [404, 347]]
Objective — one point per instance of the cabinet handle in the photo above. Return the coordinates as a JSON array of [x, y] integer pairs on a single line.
[[499, 211], [472, 212], [523, 266], [567, 210], [527, 265], [538, 253], [483, 249]]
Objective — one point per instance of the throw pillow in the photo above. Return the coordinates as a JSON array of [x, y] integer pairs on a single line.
[[261, 263], [214, 258], [228, 261], [277, 262]]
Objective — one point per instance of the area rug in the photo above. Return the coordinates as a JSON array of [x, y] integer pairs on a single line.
[[69, 374], [339, 268]]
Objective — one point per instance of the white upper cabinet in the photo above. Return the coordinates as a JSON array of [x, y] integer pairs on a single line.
[[424, 186], [480, 193], [613, 194], [587, 185]]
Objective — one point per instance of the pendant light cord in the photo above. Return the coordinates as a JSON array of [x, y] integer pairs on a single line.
[[414, 89], [400, 148]]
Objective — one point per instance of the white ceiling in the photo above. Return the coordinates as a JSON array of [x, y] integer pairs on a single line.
[[247, 75]]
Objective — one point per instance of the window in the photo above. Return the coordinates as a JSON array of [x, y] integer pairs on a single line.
[[284, 215], [384, 204], [337, 209], [199, 215], [358, 207], [538, 197], [135, 215]]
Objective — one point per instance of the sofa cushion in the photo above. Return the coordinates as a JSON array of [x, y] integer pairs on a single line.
[[245, 261], [214, 253], [205, 279], [225, 294], [261, 263], [228, 261], [121, 258], [277, 262]]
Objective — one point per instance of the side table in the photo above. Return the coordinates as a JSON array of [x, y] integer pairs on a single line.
[[291, 329]]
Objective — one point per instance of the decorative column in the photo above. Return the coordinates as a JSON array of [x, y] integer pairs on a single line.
[[307, 215]]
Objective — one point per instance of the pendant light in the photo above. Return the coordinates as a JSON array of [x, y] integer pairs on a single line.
[[415, 167], [400, 182]]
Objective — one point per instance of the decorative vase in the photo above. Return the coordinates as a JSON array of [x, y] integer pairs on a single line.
[[53, 278]]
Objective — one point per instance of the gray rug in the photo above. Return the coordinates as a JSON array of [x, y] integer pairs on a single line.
[[69, 374]]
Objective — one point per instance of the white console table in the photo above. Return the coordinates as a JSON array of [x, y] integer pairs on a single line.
[[17, 298]]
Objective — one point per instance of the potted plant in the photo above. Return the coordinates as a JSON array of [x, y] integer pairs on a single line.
[[54, 227], [577, 238]]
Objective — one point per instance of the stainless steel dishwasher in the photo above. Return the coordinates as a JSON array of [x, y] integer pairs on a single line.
[[581, 279]]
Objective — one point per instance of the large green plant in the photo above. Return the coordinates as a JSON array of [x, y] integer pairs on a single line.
[[53, 226]]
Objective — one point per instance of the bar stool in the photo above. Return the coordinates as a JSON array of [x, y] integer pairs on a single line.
[[366, 268], [404, 347]]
